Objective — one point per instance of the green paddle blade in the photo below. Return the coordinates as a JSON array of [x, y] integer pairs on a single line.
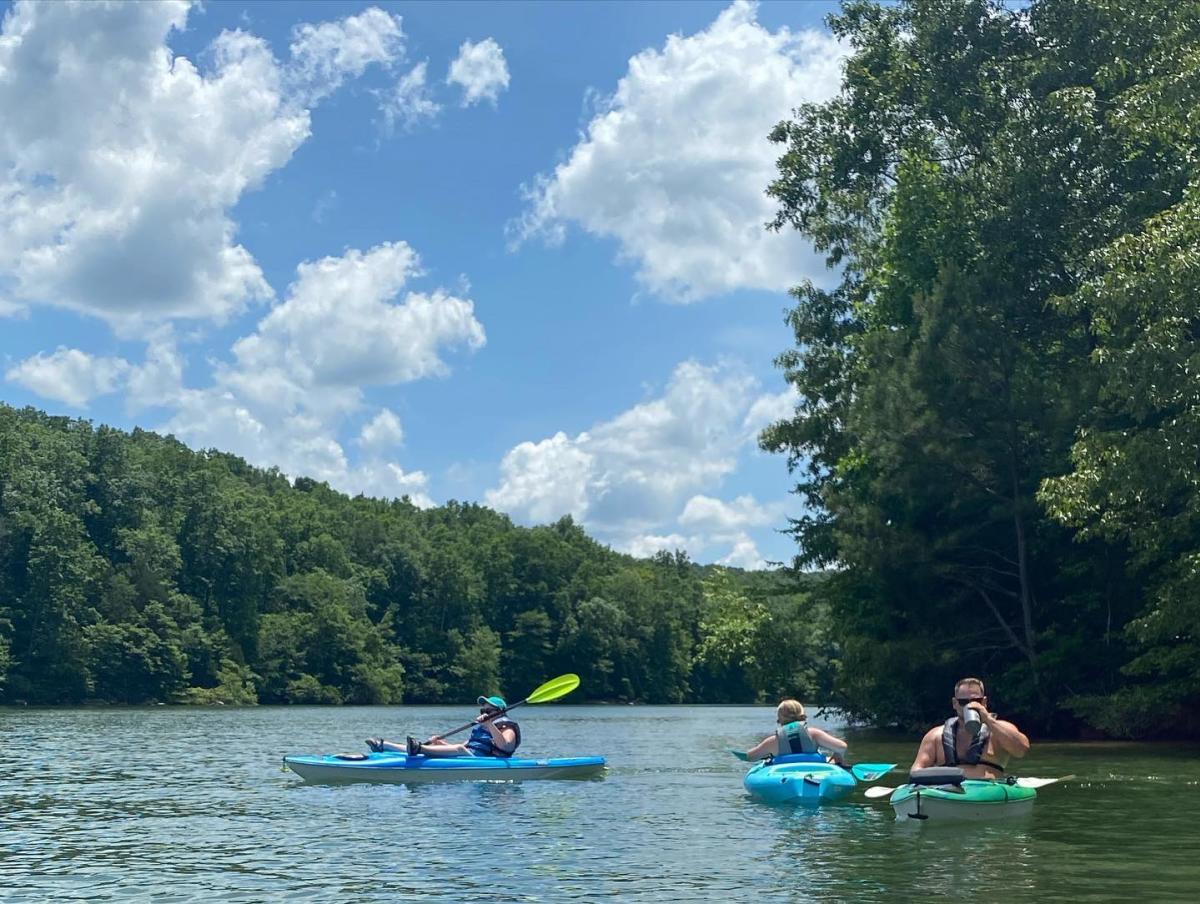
[[740, 754], [553, 689]]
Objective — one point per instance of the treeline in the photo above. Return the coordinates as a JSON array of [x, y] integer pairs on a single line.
[[133, 569], [999, 432]]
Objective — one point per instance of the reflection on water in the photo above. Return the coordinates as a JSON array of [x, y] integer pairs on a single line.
[[171, 804]]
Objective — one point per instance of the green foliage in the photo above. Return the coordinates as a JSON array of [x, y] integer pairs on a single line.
[[996, 435], [134, 570]]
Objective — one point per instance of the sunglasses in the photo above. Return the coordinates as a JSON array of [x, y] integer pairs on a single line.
[[963, 701], [487, 711]]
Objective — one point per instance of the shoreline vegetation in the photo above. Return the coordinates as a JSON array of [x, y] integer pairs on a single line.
[[135, 570]]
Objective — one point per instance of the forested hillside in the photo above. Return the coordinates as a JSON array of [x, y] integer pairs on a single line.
[[999, 433], [133, 569]]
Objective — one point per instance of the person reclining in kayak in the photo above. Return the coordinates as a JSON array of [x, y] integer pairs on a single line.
[[494, 734], [793, 736], [953, 744]]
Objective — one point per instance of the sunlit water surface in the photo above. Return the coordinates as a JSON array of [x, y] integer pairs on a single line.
[[189, 804]]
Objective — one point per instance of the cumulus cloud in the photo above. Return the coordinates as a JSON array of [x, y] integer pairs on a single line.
[[117, 183], [480, 70], [69, 375], [675, 163], [348, 323], [383, 432], [324, 55], [633, 478], [744, 554], [716, 517], [409, 101]]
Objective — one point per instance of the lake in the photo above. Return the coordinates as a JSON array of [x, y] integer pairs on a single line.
[[191, 804]]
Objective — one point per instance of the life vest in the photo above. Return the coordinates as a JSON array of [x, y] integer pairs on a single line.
[[481, 744], [794, 738], [974, 754]]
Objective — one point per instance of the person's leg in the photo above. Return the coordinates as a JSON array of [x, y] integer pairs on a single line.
[[379, 745], [443, 750]]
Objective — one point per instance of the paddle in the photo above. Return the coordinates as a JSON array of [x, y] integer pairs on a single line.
[[884, 791], [864, 772], [551, 690]]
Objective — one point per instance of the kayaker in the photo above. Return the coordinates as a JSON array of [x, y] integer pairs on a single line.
[[980, 755], [793, 736], [494, 734]]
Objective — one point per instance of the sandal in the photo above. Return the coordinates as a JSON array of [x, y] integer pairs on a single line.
[[375, 744]]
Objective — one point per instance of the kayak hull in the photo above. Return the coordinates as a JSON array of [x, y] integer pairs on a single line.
[[972, 801], [799, 781], [399, 768]]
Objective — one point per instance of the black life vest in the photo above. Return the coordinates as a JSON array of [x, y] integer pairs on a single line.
[[974, 754]]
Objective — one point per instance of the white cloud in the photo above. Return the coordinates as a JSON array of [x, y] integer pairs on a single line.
[[348, 323], [11, 308], [627, 475], [69, 375], [480, 70], [646, 545], [118, 182], [770, 408], [383, 432], [409, 101], [675, 165], [325, 54], [744, 554], [716, 517]]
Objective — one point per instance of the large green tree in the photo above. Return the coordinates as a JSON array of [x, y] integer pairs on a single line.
[[964, 179]]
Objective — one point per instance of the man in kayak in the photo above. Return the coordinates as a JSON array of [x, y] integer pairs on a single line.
[[981, 754], [793, 736], [494, 734]]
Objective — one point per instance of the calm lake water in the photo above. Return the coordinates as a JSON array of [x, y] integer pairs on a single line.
[[188, 804]]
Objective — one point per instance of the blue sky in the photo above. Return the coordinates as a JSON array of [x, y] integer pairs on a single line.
[[502, 252]]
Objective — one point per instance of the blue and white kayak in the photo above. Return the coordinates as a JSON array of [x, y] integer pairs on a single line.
[[800, 778], [400, 768]]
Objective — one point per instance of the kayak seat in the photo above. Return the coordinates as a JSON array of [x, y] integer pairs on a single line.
[[937, 775]]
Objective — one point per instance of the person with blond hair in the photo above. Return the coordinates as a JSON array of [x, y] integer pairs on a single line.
[[973, 739], [792, 735]]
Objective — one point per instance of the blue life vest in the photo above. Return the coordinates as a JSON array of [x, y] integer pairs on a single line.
[[481, 744], [974, 754], [794, 738]]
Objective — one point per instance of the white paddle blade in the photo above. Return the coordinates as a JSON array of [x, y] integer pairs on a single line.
[[878, 791], [1042, 782]]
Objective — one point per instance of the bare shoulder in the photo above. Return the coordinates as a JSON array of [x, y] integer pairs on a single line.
[[932, 736]]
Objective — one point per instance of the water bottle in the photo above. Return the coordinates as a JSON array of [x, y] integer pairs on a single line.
[[971, 721]]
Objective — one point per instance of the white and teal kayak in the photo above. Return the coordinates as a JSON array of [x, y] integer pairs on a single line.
[[968, 801], [400, 768]]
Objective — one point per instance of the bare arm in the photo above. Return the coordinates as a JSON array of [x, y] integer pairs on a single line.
[[828, 741], [927, 752], [504, 738], [1008, 737], [768, 746]]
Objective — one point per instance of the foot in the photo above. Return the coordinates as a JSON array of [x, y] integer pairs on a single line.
[[414, 746], [375, 744]]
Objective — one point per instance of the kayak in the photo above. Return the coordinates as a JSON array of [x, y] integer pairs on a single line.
[[800, 778], [397, 768], [970, 800]]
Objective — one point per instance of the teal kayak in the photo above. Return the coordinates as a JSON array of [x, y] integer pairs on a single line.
[[400, 768], [968, 800], [800, 778]]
